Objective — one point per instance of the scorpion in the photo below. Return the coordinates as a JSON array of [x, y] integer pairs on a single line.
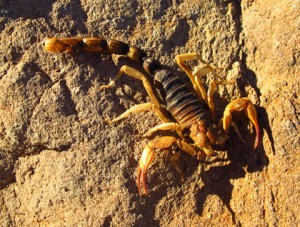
[[186, 109]]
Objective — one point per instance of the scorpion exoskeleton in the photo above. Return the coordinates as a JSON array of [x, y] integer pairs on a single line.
[[186, 110]]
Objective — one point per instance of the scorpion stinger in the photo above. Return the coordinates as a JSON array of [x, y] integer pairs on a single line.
[[186, 110]]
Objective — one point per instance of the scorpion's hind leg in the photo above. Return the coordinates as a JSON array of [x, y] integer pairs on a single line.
[[127, 70], [138, 109], [239, 105], [164, 142], [159, 110]]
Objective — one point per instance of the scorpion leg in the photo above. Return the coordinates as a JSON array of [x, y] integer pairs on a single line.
[[197, 84], [149, 152], [170, 126], [137, 109], [197, 73], [138, 75], [237, 131], [174, 160], [213, 86], [239, 105]]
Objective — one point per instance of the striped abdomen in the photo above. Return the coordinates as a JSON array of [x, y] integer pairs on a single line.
[[181, 101]]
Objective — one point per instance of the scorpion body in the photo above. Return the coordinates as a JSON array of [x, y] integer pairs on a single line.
[[191, 107], [181, 101]]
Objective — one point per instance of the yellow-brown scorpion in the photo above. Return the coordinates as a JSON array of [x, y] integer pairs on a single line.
[[186, 110]]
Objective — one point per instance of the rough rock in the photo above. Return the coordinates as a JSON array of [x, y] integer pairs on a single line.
[[61, 164]]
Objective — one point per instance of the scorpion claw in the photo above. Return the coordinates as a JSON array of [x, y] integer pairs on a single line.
[[239, 105], [145, 161]]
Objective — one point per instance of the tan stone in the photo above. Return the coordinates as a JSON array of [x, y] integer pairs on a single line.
[[62, 165]]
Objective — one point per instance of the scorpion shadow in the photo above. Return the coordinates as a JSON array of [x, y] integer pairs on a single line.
[[242, 157], [217, 179]]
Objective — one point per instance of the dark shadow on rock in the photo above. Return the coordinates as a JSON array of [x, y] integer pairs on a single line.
[[217, 179], [67, 105], [240, 155], [265, 126], [249, 78], [103, 68], [146, 211], [7, 175]]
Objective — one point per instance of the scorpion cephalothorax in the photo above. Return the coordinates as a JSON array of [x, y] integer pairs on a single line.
[[191, 107]]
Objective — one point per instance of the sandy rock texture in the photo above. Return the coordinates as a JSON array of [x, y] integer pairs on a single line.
[[62, 165]]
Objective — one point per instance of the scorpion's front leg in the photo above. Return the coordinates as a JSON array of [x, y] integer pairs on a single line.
[[197, 73], [239, 105], [149, 152], [198, 86], [196, 77], [213, 86]]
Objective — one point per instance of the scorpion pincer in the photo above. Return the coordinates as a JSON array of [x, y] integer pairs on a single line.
[[187, 109]]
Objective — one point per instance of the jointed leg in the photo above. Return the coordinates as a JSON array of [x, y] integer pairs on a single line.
[[138, 75], [148, 155], [170, 126], [237, 131], [213, 86], [239, 105], [196, 76], [137, 109], [198, 72], [174, 160], [197, 84]]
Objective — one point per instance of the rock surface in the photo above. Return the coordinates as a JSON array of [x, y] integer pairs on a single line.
[[62, 165]]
